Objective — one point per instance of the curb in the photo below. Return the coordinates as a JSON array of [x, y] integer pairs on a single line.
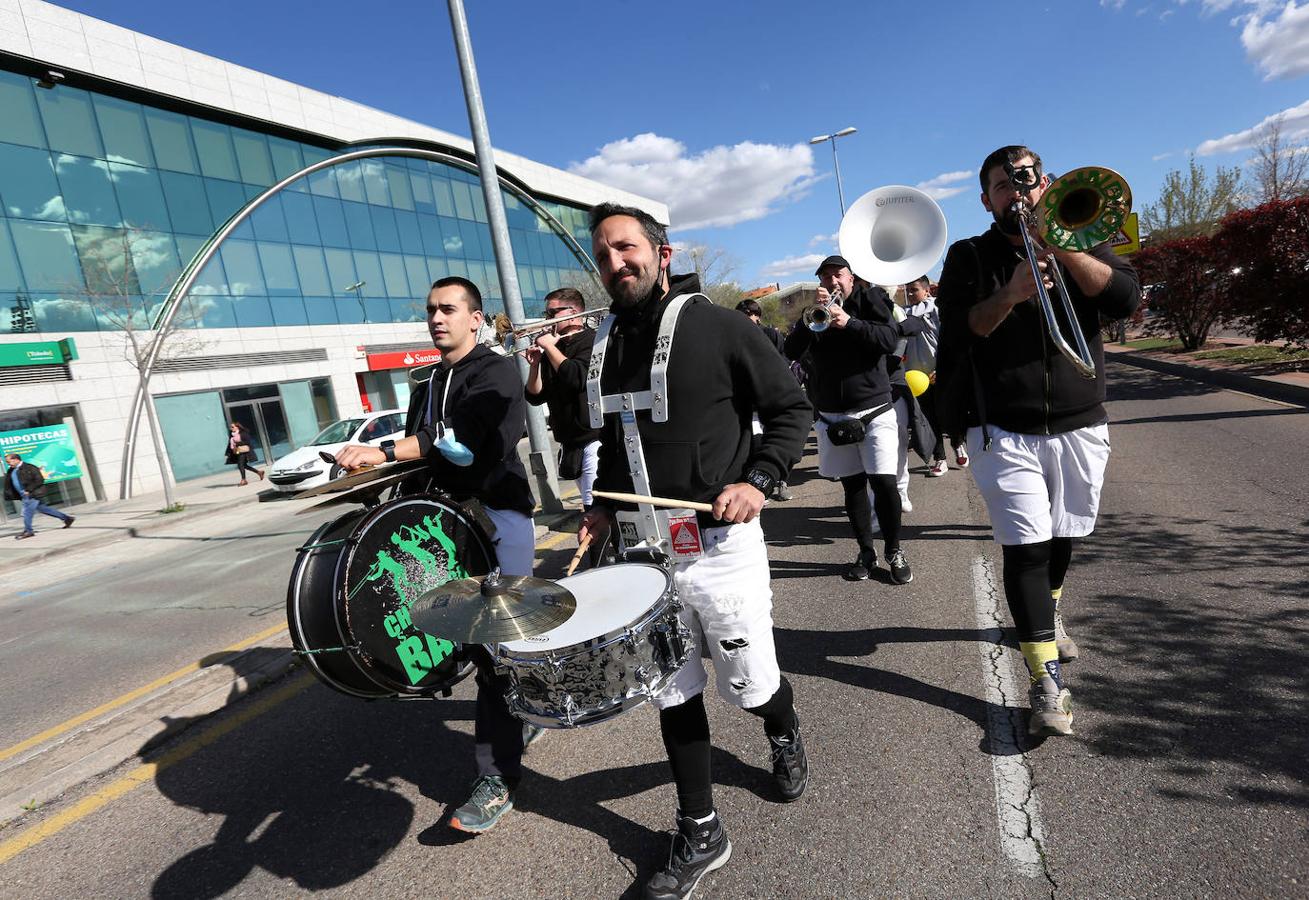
[[1268, 388]]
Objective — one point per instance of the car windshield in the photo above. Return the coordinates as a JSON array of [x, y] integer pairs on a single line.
[[337, 432]]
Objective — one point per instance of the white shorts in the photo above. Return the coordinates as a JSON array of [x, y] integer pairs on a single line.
[[590, 465], [1038, 486], [515, 541], [877, 454], [728, 605]]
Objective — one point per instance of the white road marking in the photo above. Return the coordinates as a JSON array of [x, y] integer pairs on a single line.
[[1016, 804]]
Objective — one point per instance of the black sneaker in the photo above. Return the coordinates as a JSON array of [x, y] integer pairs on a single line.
[[491, 799], [863, 567], [900, 571], [697, 850], [790, 764]]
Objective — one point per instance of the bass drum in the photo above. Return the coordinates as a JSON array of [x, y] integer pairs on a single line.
[[354, 582]]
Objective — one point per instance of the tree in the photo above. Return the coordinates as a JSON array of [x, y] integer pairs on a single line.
[[1281, 169], [716, 269], [1265, 252], [1188, 290], [1191, 203], [128, 274]]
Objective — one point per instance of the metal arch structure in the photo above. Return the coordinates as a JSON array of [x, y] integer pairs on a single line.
[[182, 287]]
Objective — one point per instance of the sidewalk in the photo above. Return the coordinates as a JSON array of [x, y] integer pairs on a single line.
[[1250, 378]]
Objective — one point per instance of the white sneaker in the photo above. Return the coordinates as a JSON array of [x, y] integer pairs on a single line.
[[1052, 709], [938, 468], [905, 505], [961, 456]]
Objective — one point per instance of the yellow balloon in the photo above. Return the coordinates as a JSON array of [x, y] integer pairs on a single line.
[[917, 381]]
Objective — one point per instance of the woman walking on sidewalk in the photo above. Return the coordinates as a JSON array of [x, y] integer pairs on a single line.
[[240, 451]]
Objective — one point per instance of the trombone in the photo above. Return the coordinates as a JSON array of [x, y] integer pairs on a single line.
[[516, 340], [1078, 211]]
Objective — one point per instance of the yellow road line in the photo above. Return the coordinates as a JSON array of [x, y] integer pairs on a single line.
[[147, 771], [548, 544], [87, 716]]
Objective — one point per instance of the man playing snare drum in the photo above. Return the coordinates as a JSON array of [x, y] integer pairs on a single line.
[[721, 370], [466, 421]]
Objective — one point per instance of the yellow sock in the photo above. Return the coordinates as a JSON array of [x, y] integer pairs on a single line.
[[1056, 593], [1042, 659]]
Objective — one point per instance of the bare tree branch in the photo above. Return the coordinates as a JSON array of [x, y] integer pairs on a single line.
[[1281, 168]]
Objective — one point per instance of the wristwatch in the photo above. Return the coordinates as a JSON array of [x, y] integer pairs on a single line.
[[388, 447], [760, 480]]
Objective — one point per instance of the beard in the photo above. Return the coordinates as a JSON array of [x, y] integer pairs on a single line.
[[1007, 220], [630, 294]]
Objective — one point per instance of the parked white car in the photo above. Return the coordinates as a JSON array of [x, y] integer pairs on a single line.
[[304, 468]]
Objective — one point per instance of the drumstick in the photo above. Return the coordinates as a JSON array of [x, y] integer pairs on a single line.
[[654, 501], [577, 557]]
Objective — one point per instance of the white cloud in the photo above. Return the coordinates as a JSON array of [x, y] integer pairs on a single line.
[[1159, 156], [1115, 5], [1278, 46], [806, 264], [822, 239], [716, 188], [1295, 123], [944, 185]]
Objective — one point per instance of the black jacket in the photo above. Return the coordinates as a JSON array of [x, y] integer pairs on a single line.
[[722, 370], [850, 366], [1027, 385], [30, 477], [564, 390], [245, 437], [485, 407]]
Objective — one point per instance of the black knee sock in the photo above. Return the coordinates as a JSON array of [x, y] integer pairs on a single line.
[[1027, 589], [685, 729], [886, 498], [1061, 554], [859, 510], [778, 712]]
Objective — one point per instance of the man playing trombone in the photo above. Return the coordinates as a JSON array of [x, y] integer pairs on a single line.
[[558, 361], [1033, 409]]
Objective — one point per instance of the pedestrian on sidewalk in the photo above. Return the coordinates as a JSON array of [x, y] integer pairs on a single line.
[[25, 483], [240, 452]]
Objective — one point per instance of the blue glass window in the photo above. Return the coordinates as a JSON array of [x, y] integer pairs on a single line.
[[252, 312], [107, 268], [252, 157], [241, 261], [437, 268], [20, 123], [452, 242], [350, 180], [375, 186], [360, 225], [69, 121], [88, 194], [213, 144], [323, 182], [369, 271], [140, 196], [57, 311], [422, 190], [397, 180], [331, 222], [267, 221], [170, 137], [301, 225], [321, 310], [188, 206], [430, 230], [154, 257], [393, 274], [287, 160], [312, 271], [11, 278], [411, 238], [341, 270], [279, 270], [47, 255], [416, 273], [384, 227], [29, 189], [289, 310], [463, 200], [445, 204], [123, 129], [225, 198], [214, 311]]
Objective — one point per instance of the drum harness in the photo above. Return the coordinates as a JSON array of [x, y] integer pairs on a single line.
[[652, 524]]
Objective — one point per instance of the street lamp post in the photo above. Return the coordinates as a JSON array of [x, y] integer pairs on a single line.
[[840, 194], [358, 290]]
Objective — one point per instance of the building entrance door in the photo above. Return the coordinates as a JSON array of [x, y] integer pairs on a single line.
[[267, 422]]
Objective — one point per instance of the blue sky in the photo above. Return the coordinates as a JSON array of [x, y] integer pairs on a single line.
[[709, 105]]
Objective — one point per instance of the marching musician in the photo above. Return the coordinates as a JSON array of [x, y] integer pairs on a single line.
[[720, 370], [853, 395], [466, 421], [920, 355], [1040, 425], [557, 363]]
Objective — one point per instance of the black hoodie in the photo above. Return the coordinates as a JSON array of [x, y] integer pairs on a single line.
[[485, 407], [722, 370]]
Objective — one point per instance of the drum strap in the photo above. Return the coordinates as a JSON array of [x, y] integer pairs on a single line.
[[652, 524]]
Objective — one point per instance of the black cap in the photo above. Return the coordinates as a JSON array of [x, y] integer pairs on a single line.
[[832, 261]]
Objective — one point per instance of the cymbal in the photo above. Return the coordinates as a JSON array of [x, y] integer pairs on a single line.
[[368, 494], [493, 609], [363, 476]]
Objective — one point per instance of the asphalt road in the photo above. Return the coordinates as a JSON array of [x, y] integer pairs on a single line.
[[1188, 775]]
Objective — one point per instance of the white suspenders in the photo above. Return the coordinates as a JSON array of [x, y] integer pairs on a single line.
[[651, 524]]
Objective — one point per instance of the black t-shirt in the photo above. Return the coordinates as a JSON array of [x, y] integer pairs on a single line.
[[564, 390]]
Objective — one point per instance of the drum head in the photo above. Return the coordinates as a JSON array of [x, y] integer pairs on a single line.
[[608, 599], [397, 552]]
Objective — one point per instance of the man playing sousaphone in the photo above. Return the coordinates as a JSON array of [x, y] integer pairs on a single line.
[[1035, 418]]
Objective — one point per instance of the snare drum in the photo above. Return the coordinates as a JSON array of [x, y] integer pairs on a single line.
[[621, 646], [353, 583]]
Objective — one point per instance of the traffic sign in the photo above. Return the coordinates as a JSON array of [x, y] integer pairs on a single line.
[[1128, 238]]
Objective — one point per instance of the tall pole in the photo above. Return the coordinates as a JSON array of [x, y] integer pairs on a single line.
[[836, 163], [542, 459]]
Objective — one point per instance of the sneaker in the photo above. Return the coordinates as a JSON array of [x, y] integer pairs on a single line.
[[961, 456], [25, 534], [491, 799], [905, 505], [790, 764], [68, 523], [781, 493], [1052, 709], [938, 468], [900, 571], [531, 734], [863, 567], [1067, 646], [697, 850]]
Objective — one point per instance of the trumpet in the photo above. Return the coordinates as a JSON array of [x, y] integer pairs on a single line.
[[1079, 210], [819, 316], [516, 340]]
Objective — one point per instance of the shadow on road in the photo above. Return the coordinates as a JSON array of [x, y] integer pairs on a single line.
[[1128, 382]]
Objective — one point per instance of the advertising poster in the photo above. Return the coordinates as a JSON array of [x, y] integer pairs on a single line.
[[50, 448]]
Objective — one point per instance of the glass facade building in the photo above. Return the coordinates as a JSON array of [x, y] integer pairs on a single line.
[[105, 199]]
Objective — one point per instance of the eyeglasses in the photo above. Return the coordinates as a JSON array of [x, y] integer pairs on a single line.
[[562, 310]]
